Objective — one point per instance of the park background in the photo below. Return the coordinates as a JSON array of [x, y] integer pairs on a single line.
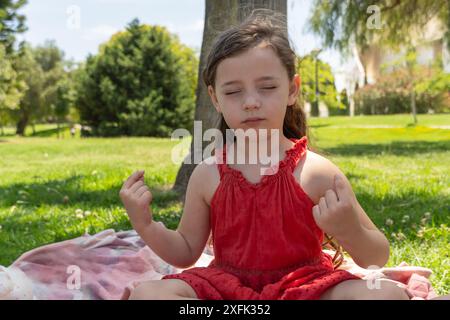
[[91, 92]]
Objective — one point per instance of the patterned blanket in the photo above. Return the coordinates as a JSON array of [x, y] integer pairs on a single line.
[[109, 264]]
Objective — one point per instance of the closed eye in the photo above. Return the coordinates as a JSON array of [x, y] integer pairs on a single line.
[[229, 93], [265, 88]]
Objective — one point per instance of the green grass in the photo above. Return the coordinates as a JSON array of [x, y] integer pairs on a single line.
[[52, 190], [41, 130], [400, 120]]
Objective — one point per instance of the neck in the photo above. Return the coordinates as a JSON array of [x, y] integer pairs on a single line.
[[256, 150]]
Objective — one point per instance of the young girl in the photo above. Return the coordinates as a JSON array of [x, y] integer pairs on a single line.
[[267, 230]]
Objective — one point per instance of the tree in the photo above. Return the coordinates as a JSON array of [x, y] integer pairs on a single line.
[[219, 15], [31, 74], [11, 22], [389, 24], [11, 88], [327, 89], [141, 83], [51, 61], [65, 98], [365, 22], [41, 69], [343, 97]]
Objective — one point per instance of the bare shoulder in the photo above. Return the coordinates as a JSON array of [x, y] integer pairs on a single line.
[[205, 178], [317, 175]]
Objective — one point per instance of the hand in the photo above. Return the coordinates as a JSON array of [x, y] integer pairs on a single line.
[[136, 197], [336, 213]]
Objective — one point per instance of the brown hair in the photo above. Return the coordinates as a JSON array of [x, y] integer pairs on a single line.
[[268, 27]]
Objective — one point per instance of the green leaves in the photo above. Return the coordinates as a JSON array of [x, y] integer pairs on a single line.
[[340, 23], [328, 92], [11, 22], [141, 83]]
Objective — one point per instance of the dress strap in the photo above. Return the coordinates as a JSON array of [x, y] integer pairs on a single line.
[[296, 152], [220, 155]]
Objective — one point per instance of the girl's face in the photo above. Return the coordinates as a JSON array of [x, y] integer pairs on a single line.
[[254, 84]]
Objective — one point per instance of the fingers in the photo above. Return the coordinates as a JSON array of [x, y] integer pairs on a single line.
[[331, 198], [147, 196], [341, 187], [139, 192], [316, 212], [323, 205], [133, 178], [136, 186]]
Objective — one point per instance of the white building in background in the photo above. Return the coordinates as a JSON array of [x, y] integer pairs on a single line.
[[429, 43]]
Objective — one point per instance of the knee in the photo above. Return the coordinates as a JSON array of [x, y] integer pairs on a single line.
[[388, 290], [150, 290], [393, 291]]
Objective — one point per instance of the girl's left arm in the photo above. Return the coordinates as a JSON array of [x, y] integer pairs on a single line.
[[339, 214]]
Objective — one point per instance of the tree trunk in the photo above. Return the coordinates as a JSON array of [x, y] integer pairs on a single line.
[[352, 107], [22, 124], [413, 106], [219, 16], [315, 105]]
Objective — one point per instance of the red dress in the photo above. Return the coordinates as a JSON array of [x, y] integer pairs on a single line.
[[266, 242]]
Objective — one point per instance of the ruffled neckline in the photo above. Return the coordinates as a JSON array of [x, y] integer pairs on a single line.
[[292, 155]]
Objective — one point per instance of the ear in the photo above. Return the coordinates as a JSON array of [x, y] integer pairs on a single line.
[[294, 89], [214, 100]]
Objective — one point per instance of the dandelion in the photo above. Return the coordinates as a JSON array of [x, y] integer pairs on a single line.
[[79, 216], [389, 222], [405, 219], [78, 211], [87, 213]]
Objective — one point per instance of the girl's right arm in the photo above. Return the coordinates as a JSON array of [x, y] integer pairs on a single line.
[[182, 247]]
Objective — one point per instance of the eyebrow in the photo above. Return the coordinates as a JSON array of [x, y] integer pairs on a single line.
[[259, 79]]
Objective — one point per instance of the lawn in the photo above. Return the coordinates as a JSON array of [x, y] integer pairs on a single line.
[[56, 189]]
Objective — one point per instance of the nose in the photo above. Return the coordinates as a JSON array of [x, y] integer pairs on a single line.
[[251, 102]]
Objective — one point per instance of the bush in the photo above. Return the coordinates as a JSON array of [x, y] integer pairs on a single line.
[[392, 93], [142, 83]]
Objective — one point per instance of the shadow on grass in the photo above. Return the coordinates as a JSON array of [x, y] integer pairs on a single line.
[[398, 148], [69, 192], [25, 231], [49, 132], [40, 133], [316, 126]]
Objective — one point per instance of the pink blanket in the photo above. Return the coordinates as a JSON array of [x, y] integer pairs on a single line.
[[109, 264]]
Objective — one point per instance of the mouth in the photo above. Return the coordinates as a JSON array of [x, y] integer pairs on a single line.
[[252, 120]]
